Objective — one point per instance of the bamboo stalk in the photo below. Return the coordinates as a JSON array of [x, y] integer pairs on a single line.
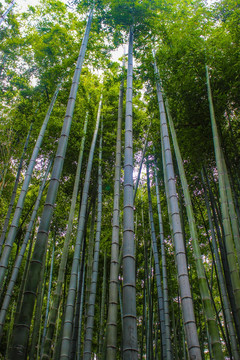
[[130, 347], [92, 297], [114, 266], [183, 279], [234, 271], [68, 320]]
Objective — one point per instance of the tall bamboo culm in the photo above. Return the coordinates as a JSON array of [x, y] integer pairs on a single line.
[[70, 303], [21, 332], [231, 256], [231, 207], [226, 304], [61, 272], [157, 273], [93, 289], [180, 253], [164, 273], [203, 286], [130, 346], [114, 267]]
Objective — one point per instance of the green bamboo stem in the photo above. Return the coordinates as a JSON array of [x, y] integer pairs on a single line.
[[130, 347], [5, 170], [80, 318], [20, 256], [14, 192], [204, 291], [157, 273], [62, 268], [164, 273], [87, 351], [10, 328], [48, 297], [38, 310], [4, 15], [226, 304], [69, 313], [222, 247], [78, 302], [183, 279], [114, 266], [103, 301], [19, 207], [90, 255], [147, 297], [141, 163], [20, 338], [6, 164], [231, 208], [234, 272]]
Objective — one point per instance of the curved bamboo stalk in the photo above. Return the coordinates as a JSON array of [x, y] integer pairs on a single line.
[[157, 272], [20, 335], [18, 261], [69, 313], [53, 313], [234, 271], [93, 289], [130, 347], [164, 274], [183, 280], [7, 219], [204, 291], [114, 267], [19, 207]]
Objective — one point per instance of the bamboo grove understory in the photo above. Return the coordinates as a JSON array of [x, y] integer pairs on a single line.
[[120, 220]]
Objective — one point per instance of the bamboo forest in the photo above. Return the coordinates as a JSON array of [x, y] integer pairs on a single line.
[[120, 179]]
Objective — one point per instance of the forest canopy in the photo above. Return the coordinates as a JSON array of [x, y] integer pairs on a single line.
[[119, 179]]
